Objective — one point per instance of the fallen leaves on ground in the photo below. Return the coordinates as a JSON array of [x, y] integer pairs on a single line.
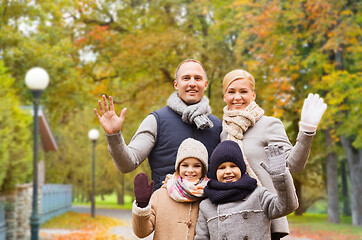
[[321, 235], [317, 227], [83, 227]]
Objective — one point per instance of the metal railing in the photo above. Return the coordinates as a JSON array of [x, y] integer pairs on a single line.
[[2, 221], [56, 200]]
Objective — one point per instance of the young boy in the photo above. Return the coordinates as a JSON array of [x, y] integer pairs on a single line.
[[172, 210], [236, 207]]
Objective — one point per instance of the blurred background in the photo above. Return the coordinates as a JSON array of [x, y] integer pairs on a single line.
[[130, 50]]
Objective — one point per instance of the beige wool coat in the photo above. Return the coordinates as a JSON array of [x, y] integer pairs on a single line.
[[168, 218], [270, 130]]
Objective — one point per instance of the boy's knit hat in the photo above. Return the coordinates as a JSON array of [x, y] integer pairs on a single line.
[[192, 148], [226, 151]]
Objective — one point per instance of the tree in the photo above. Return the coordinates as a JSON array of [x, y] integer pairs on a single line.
[[15, 134]]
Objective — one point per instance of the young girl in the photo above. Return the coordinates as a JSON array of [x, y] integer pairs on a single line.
[[171, 212], [236, 207], [245, 123]]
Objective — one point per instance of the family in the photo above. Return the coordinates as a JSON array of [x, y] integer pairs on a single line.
[[212, 179]]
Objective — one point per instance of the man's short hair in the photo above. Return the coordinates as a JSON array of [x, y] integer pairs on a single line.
[[189, 60]]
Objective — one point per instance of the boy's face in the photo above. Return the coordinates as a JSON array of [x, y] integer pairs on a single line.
[[228, 172], [190, 169]]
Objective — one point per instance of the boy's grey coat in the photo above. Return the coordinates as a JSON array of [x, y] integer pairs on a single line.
[[270, 130], [248, 218]]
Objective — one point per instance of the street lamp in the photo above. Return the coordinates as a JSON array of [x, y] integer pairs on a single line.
[[93, 135], [36, 79]]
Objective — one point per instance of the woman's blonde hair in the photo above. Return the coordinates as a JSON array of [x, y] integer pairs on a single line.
[[235, 75]]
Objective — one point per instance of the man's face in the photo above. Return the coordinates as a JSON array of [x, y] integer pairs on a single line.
[[191, 83]]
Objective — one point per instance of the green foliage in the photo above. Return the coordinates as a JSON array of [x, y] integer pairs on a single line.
[[72, 163], [15, 134], [343, 91]]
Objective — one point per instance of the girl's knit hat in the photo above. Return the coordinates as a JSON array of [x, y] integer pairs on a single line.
[[192, 148], [226, 151]]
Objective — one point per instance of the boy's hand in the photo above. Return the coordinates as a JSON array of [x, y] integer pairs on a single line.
[[277, 160], [142, 190]]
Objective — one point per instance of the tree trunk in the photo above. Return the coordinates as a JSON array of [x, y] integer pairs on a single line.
[[345, 191], [332, 183], [298, 187], [120, 192], [354, 158], [120, 200]]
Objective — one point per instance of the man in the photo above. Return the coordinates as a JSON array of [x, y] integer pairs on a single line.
[[187, 114]]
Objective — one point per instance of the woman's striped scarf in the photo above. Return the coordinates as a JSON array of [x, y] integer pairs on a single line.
[[237, 122]]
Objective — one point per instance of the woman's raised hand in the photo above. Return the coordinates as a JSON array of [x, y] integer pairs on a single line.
[[312, 112], [109, 120]]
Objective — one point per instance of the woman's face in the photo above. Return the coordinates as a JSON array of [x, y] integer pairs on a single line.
[[190, 169], [228, 172], [239, 94]]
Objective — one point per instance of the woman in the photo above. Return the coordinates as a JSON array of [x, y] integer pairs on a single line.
[[245, 123]]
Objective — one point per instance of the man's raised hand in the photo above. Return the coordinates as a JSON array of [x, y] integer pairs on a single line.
[[109, 120]]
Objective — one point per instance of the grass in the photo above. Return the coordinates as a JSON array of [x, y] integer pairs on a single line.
[[316, 226], [110, 201]]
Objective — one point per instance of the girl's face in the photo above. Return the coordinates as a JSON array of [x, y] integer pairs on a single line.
[[190, 169], [239, 94], [228, 172]]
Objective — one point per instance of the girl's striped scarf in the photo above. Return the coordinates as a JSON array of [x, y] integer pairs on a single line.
[[182, 190]]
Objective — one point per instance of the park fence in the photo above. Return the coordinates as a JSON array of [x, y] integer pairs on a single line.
[[2, 220], [15, 208], [56, 200]]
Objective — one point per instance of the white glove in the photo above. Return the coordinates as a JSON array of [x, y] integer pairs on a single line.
[[312, 112]]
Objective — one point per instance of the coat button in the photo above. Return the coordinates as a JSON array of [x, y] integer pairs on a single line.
[[245, 215], [246, 237], [224, 238], [222, 218]]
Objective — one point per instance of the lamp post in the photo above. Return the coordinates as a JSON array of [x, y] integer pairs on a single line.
[[93, 135], [36, 79]]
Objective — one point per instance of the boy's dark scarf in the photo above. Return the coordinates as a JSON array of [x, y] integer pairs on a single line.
[[219, 192]]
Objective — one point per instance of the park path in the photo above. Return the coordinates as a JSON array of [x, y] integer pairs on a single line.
[[126, 216]]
